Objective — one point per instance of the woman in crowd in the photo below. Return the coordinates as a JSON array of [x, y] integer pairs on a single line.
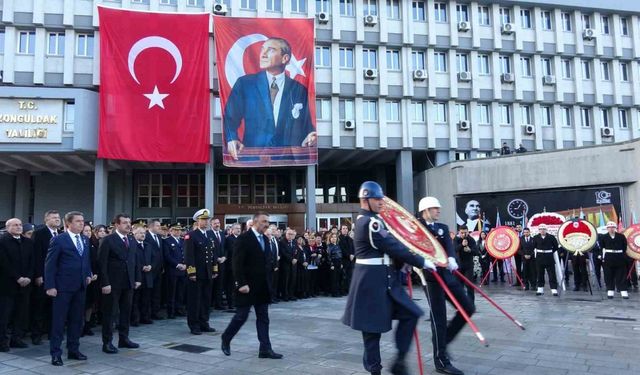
[[335, 257], [315, 253], [485, 258], [93, 290], [303, 256]]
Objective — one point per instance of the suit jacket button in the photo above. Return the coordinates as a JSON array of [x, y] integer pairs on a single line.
[[389, 276]]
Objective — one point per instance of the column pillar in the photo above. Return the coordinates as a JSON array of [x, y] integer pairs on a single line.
[[404, 179], [310, 198], [209, 182], [100, 186], [442, 157], [22, 196]]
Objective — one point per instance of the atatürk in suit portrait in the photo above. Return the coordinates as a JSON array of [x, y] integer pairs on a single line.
[[274, 107]]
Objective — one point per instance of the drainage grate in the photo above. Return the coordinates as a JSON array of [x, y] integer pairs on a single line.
[[616, 318], [188, 348], [585, 300]]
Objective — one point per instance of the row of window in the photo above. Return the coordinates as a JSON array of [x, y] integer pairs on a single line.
[[418, 61], [440, 113], [55, 43]]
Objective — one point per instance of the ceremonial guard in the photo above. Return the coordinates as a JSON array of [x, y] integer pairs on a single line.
[[614, 261], [443, 334], [202, 267], [376, 296], [526, 251], [545, 245]]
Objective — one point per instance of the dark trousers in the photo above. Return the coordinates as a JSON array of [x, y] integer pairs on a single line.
[[518, 259], [347, 267], [198, 303], [40, 312], [216, 287], [529, 274], [404, 334], [229, 285], [551, 271], [141, 306], [336, 277], [580, 277], [633, 280], [597, 269], [120, 299], [275, 278], [175, 294], [498, 267], [293, 281], [313, 282], [262, 324], [156, 294], [285, 275], [67, 307], [467, 271], [615, 275], [485, 263], [443, 334], [13, 309]]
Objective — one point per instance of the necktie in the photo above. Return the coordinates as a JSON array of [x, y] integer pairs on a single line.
[[261, 242], [79, 245], [126, 241], [273, 90], [217, 236], [53, 233]]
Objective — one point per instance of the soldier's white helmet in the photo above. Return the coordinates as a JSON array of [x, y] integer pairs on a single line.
[[611, 224], [428, 202]]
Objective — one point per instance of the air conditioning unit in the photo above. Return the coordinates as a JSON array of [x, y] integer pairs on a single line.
[[419, 75], [588, 34], [464, 76], [323, 18], [220, 9], [507, 77], [529, 129], [549, 80], [464, 125], [370, 20], [464, 26], [606, 132], [349, 125], [508, 28], [370, 73]]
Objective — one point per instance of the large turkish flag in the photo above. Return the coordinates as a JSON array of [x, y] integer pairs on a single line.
[[154, 86]]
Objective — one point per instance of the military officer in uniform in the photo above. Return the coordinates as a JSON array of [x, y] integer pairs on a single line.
[[174, 264], [376, 295], [614, 260], [443, 334], [202, 267], [545, 245]]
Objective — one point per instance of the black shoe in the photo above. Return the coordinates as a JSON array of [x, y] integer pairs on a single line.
[[196, 332], [126, 343], [181, 313], [146, 321], [56, 361], [36, 340], [157, 317], [270, 354], [134, 324], [109, 348], [86, 331], [18, 344], [207, 329], [399, 368], [171, 316], [77, 356], [448, 369], [4, 348], [526, 287], [226, 347]]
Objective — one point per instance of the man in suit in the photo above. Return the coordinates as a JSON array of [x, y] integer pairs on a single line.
[[67, 272], [250, 272], [40, 315], [229, 282], [16, 273], [176, 269], [526, 251], [218, 282], [202, 268], [275, 250], [287, 265], [145, 262], [153, 241], [466, 249], [274, 107], [348, 258], [119, 276]]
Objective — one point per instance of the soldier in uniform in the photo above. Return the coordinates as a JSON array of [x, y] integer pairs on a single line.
[[174, 264], [443, 334], [202, 267], [614, 260], [545, 245], [376, 295]]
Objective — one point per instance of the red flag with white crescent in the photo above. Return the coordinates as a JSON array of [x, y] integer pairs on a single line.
[[266, 79], [154, 86]]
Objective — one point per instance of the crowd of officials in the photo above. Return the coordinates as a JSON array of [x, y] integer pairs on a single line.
[[69, 274]]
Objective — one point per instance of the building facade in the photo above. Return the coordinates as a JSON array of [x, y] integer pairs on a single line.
[[401, 86]]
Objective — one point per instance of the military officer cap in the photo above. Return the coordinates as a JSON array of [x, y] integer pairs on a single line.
[[370, 189], [201, 214], [176, 226]]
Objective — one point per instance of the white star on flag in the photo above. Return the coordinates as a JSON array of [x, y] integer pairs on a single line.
[[155, 98], [295, 67]]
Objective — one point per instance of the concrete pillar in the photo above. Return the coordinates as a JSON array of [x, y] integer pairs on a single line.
[[310, 199], [23, 192], [209, 182], [100, 188], [404, 179], [442, 157]]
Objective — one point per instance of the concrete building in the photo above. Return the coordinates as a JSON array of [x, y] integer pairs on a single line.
[[401, 86]]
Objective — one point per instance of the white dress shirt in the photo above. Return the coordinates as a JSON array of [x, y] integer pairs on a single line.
[[276, 102]]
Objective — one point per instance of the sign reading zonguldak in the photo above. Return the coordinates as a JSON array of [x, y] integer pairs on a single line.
[[31, 121]]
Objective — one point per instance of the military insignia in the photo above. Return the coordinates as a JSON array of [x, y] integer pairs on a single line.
[[375, 226], [440, 232], [365, 192]]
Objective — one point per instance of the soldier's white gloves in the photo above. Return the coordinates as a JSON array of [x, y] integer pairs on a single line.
[[452, 265], [429, 265]]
